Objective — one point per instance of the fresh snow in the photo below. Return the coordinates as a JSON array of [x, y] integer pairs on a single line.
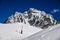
[[13, 31]]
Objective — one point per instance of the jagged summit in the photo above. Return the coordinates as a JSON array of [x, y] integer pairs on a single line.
[[33, 17]]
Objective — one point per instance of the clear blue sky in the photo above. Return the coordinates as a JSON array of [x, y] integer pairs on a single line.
[[9, 7]]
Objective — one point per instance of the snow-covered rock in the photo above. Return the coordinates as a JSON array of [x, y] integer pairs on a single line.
[[34, 17]]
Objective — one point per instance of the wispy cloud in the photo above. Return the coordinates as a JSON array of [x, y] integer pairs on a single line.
[[55, 10]]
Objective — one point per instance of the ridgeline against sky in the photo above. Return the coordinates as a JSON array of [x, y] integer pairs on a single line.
[[9, 7]]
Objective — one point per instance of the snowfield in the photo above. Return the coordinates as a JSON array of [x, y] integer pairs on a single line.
[[51, 33], [13, 31]]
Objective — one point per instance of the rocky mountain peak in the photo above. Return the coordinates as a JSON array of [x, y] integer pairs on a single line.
[[33, 17]]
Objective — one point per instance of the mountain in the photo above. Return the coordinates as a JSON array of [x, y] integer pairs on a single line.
[[31, 25], [33, 17]]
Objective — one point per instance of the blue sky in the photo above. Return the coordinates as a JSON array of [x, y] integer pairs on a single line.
[[9, 7]]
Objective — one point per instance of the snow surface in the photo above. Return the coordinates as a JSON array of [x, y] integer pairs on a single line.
[[13, 31], [51, 33]]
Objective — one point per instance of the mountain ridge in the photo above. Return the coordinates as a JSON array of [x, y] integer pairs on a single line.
[[33, 17]]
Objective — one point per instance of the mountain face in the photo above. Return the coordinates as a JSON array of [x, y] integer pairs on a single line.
[[33, 17]]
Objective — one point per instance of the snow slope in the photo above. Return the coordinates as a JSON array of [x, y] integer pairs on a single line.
[[51, 33], [13, 31]]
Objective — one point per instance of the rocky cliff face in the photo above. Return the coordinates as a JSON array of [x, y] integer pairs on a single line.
[[33, 17]]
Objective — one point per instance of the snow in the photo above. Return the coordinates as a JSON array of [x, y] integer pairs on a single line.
[[13, 31], [47, 34]]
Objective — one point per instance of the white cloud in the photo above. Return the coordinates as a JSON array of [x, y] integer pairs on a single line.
[[55, 10]]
